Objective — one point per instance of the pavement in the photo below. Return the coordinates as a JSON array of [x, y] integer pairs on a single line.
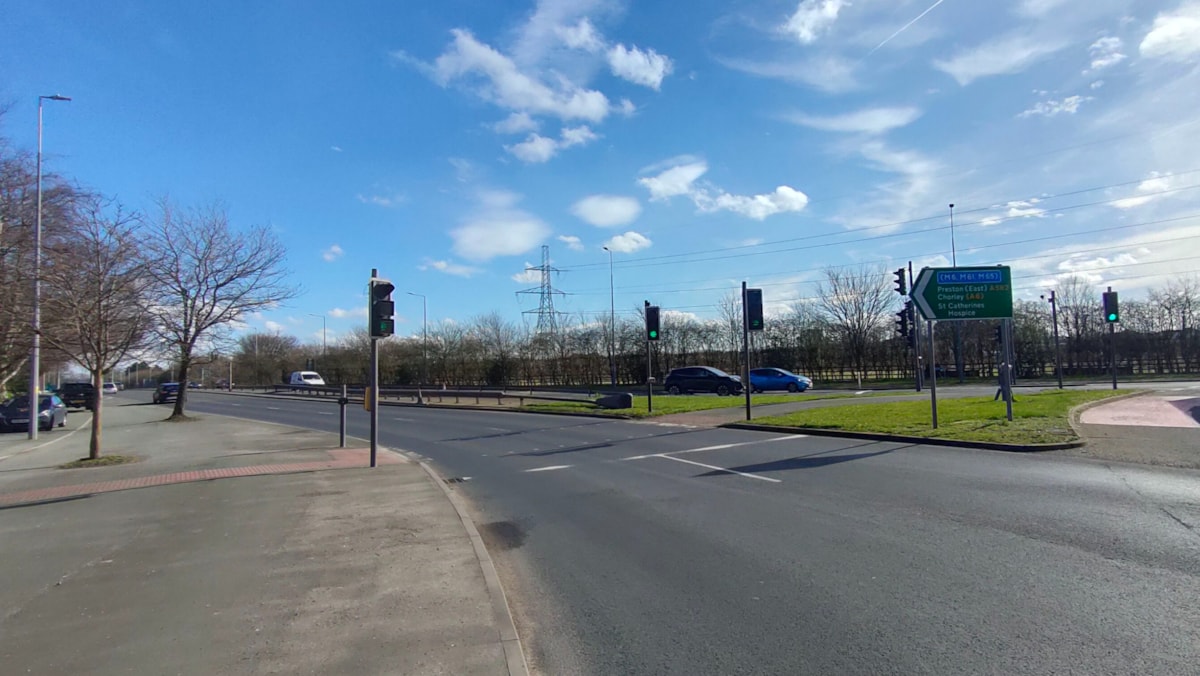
[[650, 547], [1157, 429], [238, 547]]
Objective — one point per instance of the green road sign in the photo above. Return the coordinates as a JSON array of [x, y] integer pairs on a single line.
[[958, 294]]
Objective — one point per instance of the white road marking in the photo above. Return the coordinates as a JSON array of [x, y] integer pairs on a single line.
[[862, 391], [718, 447], [4, 456], [721, 469], [547, 469], [274, 408], [324, 413], [402, 419], [232, 404]]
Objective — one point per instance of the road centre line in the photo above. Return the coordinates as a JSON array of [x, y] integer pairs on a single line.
[[719, 469], [547, 469], [718, 447]]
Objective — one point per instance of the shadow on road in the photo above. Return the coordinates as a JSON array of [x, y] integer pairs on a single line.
[[812, 461]]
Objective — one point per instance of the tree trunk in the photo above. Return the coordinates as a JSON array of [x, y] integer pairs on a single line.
[[97, 407], [185, 363]]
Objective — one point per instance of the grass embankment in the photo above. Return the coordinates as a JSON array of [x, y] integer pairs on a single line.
[[1037, 418], [102, 461], [668, 404]]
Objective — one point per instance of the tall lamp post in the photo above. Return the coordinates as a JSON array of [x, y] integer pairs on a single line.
[[424, 342], [612, 322], [1053, 300], [313, 314], [959, 362], [35, 352]]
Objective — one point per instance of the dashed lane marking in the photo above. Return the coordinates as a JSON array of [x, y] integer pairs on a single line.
[[547, 469]]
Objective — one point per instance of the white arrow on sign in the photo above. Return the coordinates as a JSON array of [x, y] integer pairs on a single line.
[[918, 293]]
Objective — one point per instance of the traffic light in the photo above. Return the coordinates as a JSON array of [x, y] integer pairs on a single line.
[[382, 309], [754, 309], [652, 322], [999, 337], [1112, 313], [901, 284], [902, 322]]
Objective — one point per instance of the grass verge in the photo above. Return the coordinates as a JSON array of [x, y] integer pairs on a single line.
[[102, 461], [1037, 418], [668, 404]]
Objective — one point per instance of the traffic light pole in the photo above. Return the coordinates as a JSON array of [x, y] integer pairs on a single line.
[[372, 393], [649, 369], [746, 350], [1112, 346], [1008, 368]]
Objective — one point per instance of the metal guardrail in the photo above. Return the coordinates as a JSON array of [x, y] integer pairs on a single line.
[[457, 396]]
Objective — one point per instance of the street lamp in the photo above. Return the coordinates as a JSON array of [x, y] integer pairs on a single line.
[[612, 326], [35, 353], [424, 341], [1053, 300], [313, 314]]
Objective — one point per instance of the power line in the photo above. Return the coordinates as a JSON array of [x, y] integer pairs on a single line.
[[643, 261]]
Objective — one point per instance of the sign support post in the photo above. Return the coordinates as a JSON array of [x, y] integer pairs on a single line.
[[932, 374]]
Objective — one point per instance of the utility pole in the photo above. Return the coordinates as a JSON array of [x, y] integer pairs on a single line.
[[959, 362], [1057, 350], [612, 322]]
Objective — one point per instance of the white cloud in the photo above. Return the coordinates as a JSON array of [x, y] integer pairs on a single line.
[[1024, 209], [626, 108], [1149, 190], [537, 148], [448, 267], [1097, 84], [332, 253], [896, 199], [1001, 56], [758, 207], [607, 211], [647, 68], [829, 73], [498, 228], [273, 327], [812, 18], [336, 149], [1105, 52], [580, 36], [573, 243], [681, 180], [341, 313], [867, 121], [628, 243], [1175, 35], [1036, 8], [516, 123], [498, 79], [674, 181], [529, 275], [1051, 107], [393, 200]]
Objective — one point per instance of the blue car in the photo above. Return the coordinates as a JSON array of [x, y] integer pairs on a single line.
[[765, 379]]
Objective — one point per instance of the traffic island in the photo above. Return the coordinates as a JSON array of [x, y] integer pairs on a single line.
[[1041, 422]]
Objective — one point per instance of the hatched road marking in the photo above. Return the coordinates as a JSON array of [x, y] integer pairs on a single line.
[[718, 447], [720, 469]]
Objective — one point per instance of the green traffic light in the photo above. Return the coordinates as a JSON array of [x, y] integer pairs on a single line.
[[654, 334], [1112, 316]]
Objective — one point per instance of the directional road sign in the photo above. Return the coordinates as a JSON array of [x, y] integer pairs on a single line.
[[958, 294]]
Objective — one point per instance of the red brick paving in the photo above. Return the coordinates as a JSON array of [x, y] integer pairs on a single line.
[[342, 458]]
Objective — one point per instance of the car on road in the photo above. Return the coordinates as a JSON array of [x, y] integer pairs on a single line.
[[111, 388], [166, 392], [14, 413], [193, 385], [309, 378], [78, 395], [770, 378], [691, 379]]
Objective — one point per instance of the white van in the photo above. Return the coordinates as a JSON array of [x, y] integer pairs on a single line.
[[310, 378]]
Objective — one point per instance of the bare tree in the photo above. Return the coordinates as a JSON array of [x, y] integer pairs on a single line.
[[207, 276], [857, 302], [95, 285]]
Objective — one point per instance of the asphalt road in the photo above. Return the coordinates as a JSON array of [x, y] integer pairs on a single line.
[[632, 547]]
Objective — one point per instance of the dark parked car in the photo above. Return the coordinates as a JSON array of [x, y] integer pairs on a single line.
[[14, 413], [78, 395], [166, 392], [701, 379], [765, 379]]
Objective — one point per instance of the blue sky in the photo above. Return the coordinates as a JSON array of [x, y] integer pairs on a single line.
[[444, 143]]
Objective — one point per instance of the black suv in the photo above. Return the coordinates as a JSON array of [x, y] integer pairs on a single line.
[[702, 379], [78, 395]]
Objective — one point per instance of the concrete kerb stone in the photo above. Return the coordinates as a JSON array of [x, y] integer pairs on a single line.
[[509, 639], [900, 438]]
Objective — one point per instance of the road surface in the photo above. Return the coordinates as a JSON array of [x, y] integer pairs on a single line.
[[633, 547]]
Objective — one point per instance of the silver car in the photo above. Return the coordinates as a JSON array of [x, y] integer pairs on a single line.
[[14, 413]]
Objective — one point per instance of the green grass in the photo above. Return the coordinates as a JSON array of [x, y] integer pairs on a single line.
[[102, 461], [667, 404], [1037, 418]]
